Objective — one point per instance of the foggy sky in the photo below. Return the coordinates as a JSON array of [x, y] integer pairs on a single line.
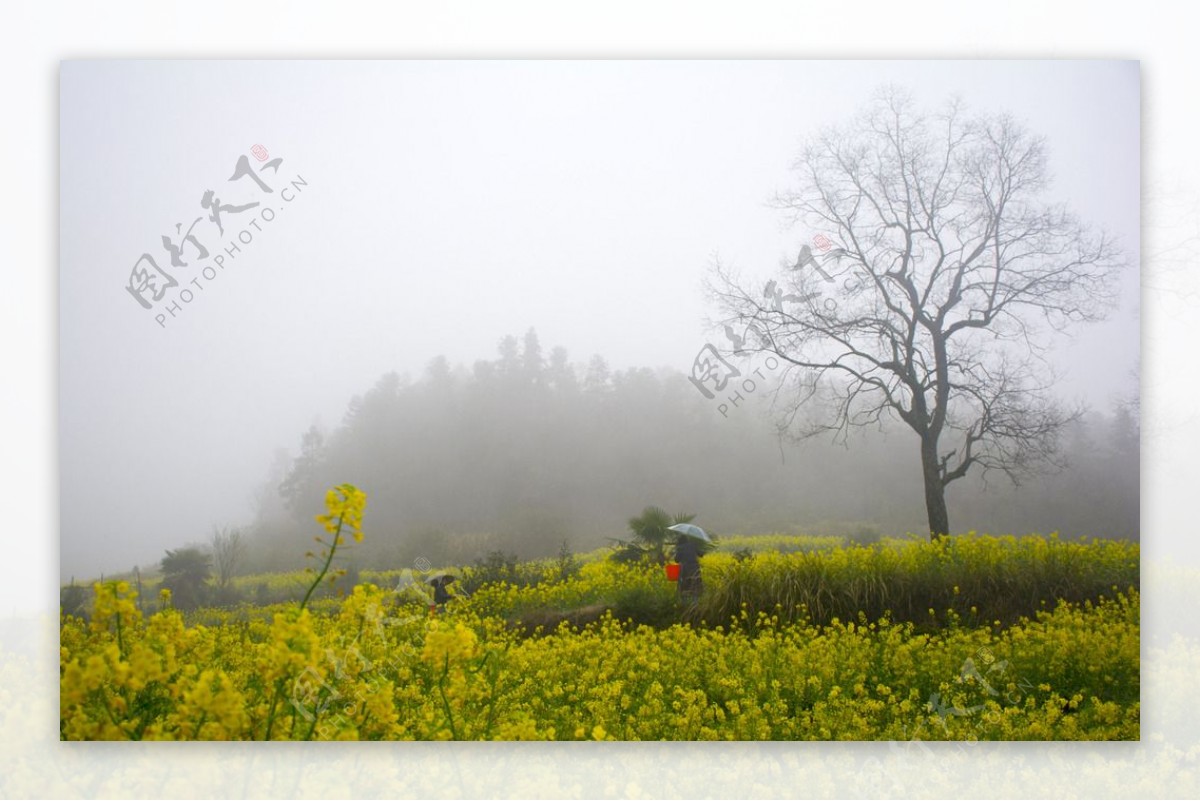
[[443, 206]]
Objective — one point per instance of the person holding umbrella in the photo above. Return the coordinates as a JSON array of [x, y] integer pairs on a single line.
[[440, 582], [688, 548]]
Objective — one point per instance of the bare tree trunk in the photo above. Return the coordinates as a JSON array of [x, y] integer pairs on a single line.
[[935, 490]]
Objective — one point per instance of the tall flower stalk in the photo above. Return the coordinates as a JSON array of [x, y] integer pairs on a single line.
[[344, 504]]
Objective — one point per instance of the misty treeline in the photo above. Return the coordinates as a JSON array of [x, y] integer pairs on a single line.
[[528, 450]]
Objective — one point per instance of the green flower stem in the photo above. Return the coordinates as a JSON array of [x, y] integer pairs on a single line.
[[328, 561]]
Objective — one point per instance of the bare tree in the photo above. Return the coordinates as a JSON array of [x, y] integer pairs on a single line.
[[228, 549], [943, 277]]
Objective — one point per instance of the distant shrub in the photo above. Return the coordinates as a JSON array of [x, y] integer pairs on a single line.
[[867, 534], [501, 567], [226, 595], [185, 574], [565, 563], [72, 600], [647, 604]]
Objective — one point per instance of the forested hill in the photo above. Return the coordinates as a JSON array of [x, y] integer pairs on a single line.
[[527, 450]]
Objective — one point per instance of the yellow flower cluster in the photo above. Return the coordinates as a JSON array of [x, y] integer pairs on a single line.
[[446, 644], [344, 506], [373, 666], [1007, 575], [370, 670]]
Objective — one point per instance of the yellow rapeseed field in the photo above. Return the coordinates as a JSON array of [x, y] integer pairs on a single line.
[[373, 666]]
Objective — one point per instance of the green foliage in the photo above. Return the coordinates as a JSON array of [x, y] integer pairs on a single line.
[[566, 562], [650, 604], [185, 571], [650, 536], [1072, 673], [627, 553], [597, 650], [866, 535], [225, 595], [975, 579], [72, 600], [498, 567]]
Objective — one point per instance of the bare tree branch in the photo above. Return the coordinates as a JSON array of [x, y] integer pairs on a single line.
[[935, 306]]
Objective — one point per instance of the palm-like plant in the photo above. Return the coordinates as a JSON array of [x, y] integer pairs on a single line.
[[650, 531]]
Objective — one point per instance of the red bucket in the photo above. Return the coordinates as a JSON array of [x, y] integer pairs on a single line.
[[672, 569]]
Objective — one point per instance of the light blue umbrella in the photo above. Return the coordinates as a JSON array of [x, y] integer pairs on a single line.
[[688, 530]]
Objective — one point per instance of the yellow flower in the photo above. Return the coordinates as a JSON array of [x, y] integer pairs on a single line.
[[367, 667], [452, 645], [344, 510]]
